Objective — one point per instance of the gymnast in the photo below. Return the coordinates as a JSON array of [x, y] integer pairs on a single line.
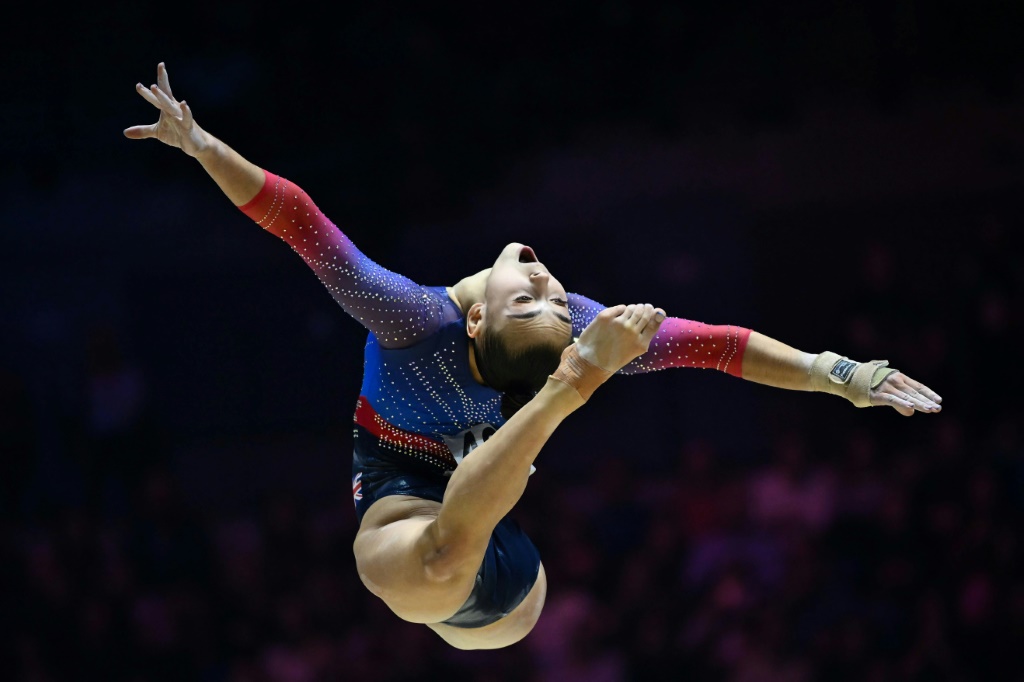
[[464, 384]]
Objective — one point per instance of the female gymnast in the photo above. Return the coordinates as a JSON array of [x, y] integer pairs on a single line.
[[489, 366]]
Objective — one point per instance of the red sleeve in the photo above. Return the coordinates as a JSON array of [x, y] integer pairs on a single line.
[[678, 343], [686, 343], [396, 309]]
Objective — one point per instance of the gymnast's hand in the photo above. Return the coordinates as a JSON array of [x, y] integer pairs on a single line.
[[905, 395], [175, 127], [619, 335]]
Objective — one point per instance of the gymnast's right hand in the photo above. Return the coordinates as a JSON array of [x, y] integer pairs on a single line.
[[175, 127], [619, 335]]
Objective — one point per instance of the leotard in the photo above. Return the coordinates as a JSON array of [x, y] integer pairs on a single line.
[[420, 411]]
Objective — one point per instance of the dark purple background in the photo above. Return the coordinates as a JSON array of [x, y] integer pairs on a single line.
[[176, 387]]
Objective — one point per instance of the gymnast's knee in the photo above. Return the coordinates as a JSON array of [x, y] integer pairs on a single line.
[[452, 557]]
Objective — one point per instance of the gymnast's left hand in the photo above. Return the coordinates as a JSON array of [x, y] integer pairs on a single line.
[[905, 395]]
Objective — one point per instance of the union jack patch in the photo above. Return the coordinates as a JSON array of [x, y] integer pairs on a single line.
[[357, 486]]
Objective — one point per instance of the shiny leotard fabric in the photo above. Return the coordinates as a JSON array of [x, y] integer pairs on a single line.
[[388, 464], [434, 413], [420, 411]]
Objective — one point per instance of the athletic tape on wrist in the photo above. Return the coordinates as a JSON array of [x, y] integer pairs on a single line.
[[839, 375], [582, 375]]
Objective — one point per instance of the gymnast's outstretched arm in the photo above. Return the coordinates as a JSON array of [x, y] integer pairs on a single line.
[[395, 309], [755, 357]]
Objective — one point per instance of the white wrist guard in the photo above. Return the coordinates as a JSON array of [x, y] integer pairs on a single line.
[[838, 375]]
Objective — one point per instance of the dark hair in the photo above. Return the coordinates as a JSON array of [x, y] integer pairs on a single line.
[[517, 372]]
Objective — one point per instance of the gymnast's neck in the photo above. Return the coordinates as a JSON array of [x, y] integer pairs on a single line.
[[469, 290]]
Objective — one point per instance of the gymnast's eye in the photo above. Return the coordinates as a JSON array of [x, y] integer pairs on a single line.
[[523, 299], [560, 301]]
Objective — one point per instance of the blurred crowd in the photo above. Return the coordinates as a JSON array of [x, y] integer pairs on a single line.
[[848, 545], [841, 550]]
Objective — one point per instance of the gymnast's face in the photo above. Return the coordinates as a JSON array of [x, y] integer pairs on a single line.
[[522, 297]]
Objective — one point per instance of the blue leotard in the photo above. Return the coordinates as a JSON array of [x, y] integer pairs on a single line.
[[420, 411]]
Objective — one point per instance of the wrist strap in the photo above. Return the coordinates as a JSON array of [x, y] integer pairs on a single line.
[[582, 375], [839, 375]]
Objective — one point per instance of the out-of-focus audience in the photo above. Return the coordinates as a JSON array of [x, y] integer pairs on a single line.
[[840, 552], [847, 546]]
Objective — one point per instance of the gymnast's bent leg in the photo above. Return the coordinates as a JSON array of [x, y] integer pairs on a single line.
[[421, 557]]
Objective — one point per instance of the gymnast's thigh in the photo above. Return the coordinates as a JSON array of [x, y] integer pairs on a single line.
[[505, 632], [400, 562]]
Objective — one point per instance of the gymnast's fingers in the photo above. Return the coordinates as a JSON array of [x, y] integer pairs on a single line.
[[147, 94], [162, 80], [901, 405], [922, 389], [914, 392], [921, 402], [653, 325], [166, 103], [644, 314], [612, 312], [141, 132], [186, 115]]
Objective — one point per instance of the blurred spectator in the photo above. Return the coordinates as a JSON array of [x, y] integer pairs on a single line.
[[794, 492], [120, 443], [738, 559], [574, 641], [855, 550]]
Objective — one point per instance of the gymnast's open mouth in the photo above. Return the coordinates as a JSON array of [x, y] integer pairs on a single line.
[[526, 255]]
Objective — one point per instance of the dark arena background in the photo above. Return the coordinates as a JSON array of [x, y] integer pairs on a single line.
[[177, 388]]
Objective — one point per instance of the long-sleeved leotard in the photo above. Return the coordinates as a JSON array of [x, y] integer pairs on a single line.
[[400, 313], [420, 411], [395, 309], [678, 343]]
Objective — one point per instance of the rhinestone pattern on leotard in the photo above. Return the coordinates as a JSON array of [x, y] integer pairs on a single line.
[[678, 343], [428, 388], [396, 309], [416, 373]]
